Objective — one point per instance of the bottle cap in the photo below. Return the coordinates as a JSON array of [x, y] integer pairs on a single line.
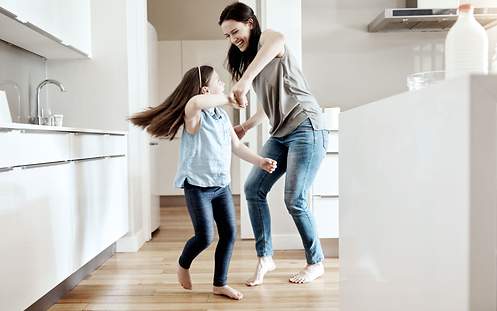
[[465, 7]]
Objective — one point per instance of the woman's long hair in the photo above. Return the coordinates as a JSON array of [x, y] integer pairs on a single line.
[[165, 120], [238, 61]]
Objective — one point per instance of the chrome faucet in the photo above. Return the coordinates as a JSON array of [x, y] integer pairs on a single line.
[[39, 115]]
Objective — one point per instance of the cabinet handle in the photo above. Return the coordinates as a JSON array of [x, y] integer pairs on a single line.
[[6, 169], [37, 165], [88, 159], [153, 144]]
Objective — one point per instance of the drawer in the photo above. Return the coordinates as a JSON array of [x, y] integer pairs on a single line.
[[116, 144], [25, 148], [87, 145], [326, 181], [325, 211], [332, 142]]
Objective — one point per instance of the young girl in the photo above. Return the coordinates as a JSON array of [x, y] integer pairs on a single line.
[[204, 169]]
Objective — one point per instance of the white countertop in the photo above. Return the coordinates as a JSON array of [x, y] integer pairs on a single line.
[[34, 127]]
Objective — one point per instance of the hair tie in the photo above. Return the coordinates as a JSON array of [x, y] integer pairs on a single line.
[[199, 79]]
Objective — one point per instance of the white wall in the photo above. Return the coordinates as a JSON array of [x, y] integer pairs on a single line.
[[346, 66], [21, 72]]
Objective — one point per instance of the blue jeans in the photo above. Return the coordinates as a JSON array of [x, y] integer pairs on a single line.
[[299, 155], [206, 205]]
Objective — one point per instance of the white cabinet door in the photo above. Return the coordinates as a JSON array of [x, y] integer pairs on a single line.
[[67, 22], [36, 208], [325, 210], [74, 23], [19, 148], [101, 207], [333, 142], [326, 181], [53, 220]]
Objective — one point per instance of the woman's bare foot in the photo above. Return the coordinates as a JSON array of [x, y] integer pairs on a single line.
[[184, 277], [308, 274], [227, 291], [264, 265]]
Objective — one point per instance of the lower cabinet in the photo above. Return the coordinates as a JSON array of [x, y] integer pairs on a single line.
[[324, 192], [325, 210], [54, 218]]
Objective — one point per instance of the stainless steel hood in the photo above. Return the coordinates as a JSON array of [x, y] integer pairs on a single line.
[[422, 19]]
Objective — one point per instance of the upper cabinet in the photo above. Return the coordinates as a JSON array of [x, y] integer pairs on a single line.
[[55, 29]]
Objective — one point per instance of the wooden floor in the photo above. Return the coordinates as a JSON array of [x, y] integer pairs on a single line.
[[146, 280]]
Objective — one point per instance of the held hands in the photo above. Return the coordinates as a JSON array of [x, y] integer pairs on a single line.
[[233, 102], [269, 165], [239, 91]]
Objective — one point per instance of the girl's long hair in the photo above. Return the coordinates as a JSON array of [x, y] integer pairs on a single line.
[[238, 61], [165, 120]]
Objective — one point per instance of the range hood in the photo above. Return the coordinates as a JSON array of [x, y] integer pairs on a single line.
[[414, 18]]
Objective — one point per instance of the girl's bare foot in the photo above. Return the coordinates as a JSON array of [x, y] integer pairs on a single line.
[[264, 265], [227, 291], [184, 277], [308, 274]]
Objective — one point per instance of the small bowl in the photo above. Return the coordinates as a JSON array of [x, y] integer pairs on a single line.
[[419, 80]]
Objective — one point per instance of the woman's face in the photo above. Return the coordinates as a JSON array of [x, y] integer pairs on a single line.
[[215, 85], [238, 33]]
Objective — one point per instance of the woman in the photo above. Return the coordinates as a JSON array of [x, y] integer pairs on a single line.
[[298, 140]]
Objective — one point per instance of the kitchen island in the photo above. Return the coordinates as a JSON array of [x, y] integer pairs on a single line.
[[63, 202], [418, 200]]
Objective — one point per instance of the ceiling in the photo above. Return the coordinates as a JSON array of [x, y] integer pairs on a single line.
[[186, 19]]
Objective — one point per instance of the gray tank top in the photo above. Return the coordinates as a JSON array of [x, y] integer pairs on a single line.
[[285, 97]]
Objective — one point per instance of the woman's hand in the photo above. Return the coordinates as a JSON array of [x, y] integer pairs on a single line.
[[240, 90], [233, 103], [239, 131], [269, 165]]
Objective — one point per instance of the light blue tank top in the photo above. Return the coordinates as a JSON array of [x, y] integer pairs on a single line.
[[205, 157]]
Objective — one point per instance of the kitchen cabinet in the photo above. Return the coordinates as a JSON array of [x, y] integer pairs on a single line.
[[50, 28], [324, 191], [63, 200]]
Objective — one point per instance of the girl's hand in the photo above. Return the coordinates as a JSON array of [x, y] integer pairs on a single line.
[[239, 91], [233, 102], [269, 165], [239, 131]]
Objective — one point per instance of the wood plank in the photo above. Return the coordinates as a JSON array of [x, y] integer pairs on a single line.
[[146, 280]]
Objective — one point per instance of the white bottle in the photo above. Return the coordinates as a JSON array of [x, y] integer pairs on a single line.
[[466, 46]]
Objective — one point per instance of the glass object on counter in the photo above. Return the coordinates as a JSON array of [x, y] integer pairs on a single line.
[[421, 80], [56, 119], [7, 86]]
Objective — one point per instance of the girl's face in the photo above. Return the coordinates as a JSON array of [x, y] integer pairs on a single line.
[[238, 33], [215, 85]]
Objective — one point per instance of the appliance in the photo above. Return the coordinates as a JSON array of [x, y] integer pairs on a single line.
[[417, 17]]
